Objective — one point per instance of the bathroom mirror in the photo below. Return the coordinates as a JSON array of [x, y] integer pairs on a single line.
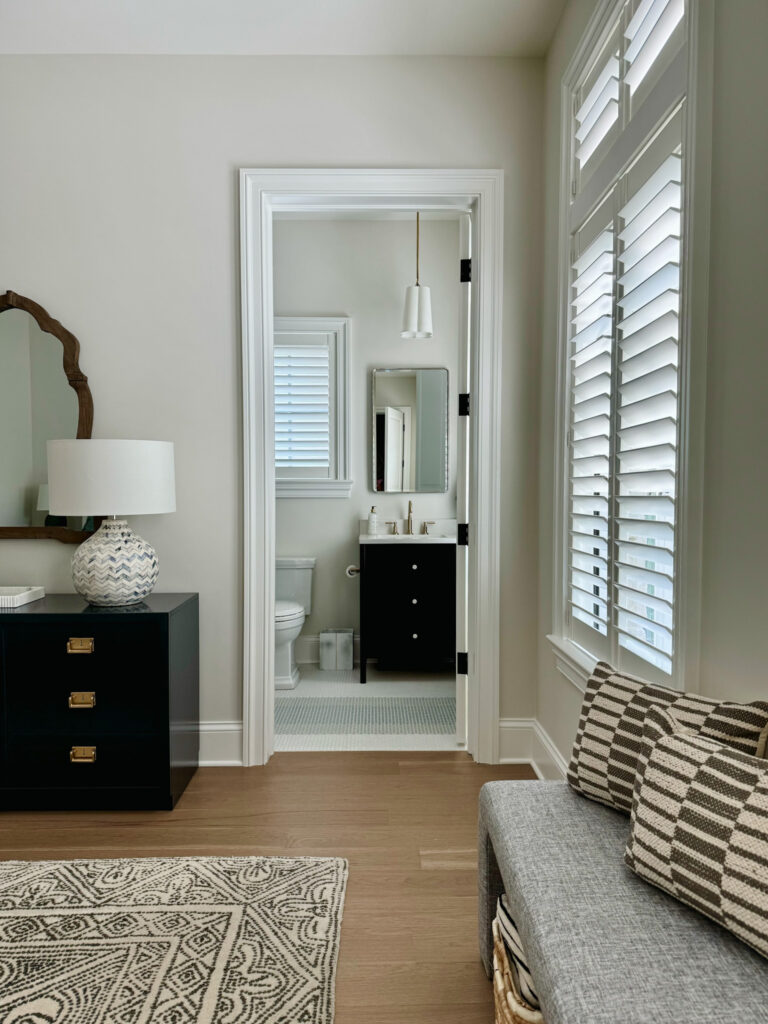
[[410, 429], [43, 395]]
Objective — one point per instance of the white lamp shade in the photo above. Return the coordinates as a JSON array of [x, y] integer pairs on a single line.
[[111, 478], [417, 314]]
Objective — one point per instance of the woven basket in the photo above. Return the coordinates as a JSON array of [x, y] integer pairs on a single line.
[[511, 1008]]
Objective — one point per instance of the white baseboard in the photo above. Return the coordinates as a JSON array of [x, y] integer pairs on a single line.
[[525, 741], [306, 650], [521, 741], [221, 743]]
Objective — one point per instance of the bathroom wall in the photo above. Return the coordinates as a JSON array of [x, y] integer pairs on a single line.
[[360, 269], [120, 215]]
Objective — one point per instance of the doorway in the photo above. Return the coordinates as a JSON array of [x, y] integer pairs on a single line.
[[478, 196]]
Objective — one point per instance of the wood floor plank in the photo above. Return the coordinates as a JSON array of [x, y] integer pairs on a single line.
[[405, 821]]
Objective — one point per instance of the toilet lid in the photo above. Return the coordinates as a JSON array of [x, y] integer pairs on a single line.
[[288, 609]]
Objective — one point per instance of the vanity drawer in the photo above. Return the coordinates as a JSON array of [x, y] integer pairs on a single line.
[[35, 761]]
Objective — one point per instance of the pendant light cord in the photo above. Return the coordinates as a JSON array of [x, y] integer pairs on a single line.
[[417, 248]]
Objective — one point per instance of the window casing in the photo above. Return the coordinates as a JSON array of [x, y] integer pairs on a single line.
[[311, 376], [622, 338]]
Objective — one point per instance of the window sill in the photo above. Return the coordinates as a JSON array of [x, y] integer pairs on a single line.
[[572, 661], [313, 488]]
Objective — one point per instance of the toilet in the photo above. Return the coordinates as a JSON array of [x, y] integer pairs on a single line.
[[293, 602]]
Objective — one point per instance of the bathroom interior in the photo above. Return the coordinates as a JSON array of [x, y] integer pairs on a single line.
[[369, 465]]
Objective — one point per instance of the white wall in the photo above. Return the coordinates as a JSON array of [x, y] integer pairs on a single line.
[[734, 646], [121, 218], [360, 269]]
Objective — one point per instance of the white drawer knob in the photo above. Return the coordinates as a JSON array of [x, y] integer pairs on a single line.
[[415, 636], [414, 566], [414, 601]]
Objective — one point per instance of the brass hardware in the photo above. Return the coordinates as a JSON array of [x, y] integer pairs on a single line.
[[393, 524], [82, 755], [82, 699], [80, 645], [426, 525], [409, 520]]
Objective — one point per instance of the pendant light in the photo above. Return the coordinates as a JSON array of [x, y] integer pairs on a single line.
[[417, 314]]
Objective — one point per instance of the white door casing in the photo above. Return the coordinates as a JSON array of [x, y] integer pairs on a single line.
[[475, 192]]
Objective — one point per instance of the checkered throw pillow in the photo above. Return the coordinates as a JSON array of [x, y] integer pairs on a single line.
[[699, 827], [608, 739]]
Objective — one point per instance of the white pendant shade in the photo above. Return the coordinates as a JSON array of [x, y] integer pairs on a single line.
[[417, 314], [110, 478]]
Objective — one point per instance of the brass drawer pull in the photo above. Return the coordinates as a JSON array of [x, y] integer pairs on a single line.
[[80, 645], [82, 699], [82, 755]]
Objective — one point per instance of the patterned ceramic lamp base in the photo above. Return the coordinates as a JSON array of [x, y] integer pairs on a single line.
[[115, 566]]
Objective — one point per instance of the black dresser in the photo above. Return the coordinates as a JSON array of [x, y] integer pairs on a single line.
[[407, 605], [99, 707]]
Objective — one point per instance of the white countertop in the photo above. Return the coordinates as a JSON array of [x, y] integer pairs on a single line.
[[404, 538]]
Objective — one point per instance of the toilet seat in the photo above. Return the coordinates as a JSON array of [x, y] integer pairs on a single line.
[[288, 610]]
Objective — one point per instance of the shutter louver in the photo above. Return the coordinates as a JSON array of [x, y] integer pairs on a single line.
[[302, 407], [648, 331], [590, 428], [598, 112], [647, 33]]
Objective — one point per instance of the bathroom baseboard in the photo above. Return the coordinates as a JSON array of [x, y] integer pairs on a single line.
[[307, 650]]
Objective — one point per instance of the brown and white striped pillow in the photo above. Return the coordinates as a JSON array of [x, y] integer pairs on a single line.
[[608, 739], [699, 827]]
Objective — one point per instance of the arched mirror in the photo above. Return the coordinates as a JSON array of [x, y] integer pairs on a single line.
[[43, 395]]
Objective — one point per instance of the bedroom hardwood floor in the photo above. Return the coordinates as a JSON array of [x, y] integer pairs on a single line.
[[406, 821]]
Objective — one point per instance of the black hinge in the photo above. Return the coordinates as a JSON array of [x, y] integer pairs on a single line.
[[462, 663], [464, 405], [466, 271], [462, 534]]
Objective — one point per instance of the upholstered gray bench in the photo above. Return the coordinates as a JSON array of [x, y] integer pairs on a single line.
[[603, 946]]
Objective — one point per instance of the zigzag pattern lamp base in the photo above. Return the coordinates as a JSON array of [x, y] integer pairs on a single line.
[[115, 566]]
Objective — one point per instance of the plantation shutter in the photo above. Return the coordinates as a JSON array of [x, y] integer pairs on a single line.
[[591, 344], [648, 320], [597, 104], [649, 33], [303, 408]]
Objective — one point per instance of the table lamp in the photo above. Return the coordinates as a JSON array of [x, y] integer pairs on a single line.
[[115, 566]]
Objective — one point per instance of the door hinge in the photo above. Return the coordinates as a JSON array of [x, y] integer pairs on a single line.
[[462, 663], [464, 404], [462, 534], [465, 275]]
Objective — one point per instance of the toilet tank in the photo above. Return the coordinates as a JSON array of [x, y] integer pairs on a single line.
[[293, 580]]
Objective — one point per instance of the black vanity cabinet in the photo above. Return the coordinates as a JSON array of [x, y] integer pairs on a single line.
[[408, 605], [98, 706]]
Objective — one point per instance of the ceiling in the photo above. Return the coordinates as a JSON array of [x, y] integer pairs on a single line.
[[515, 28]]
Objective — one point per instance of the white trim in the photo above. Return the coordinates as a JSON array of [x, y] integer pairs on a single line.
[[697, 53], [525, 741], [262, 192], [572, 661], [313, 488], [221, 743], [340, 486]]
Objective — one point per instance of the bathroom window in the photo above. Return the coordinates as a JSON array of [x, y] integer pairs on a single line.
[[311, 407], [623, 341]]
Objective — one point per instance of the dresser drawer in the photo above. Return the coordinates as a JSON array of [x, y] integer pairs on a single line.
[[34, 761], [119, 685]]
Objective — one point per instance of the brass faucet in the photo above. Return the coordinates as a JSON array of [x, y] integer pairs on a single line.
[[409, 524]]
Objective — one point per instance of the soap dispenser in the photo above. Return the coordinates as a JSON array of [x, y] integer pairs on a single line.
[[373, 522]]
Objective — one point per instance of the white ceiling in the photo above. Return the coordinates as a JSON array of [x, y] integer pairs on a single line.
[[518, 28]]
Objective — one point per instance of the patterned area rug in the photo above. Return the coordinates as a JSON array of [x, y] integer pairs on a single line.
[[365, 715], [189, 940]]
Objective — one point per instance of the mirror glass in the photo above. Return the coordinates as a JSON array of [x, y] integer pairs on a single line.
[[36, 404], [410, 430]]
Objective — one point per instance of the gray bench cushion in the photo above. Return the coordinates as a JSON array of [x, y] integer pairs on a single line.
[[603, 946]]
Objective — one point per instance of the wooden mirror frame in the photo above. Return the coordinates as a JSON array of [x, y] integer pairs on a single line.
[[78, 381]]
